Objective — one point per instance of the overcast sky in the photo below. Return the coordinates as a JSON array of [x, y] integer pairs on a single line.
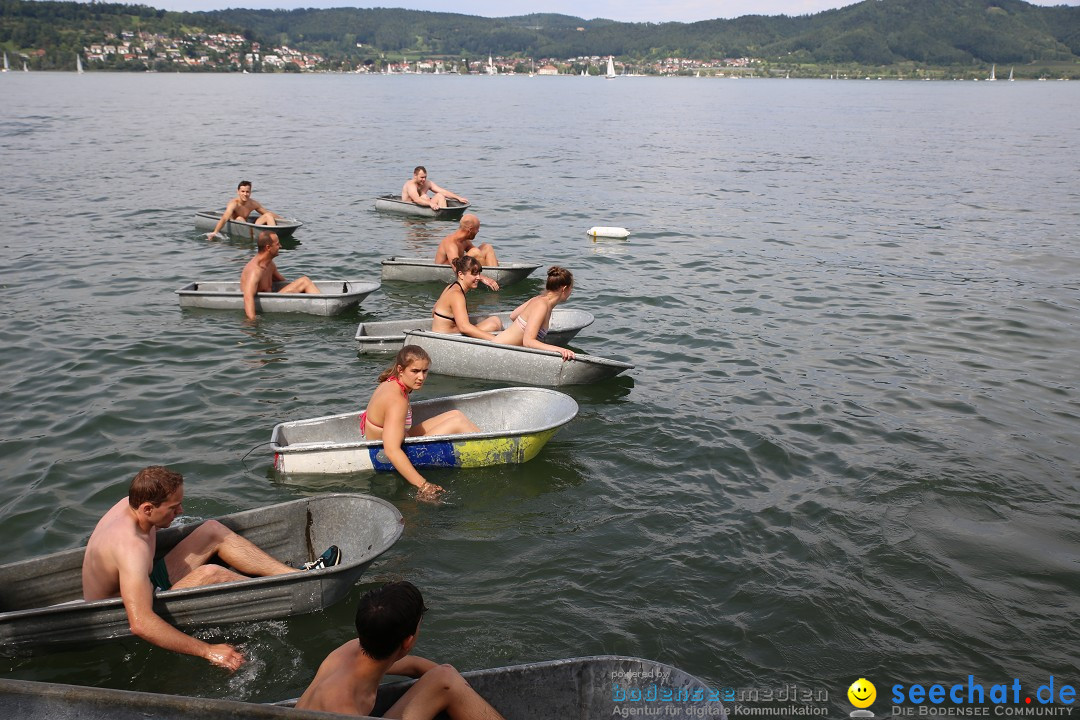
[[623, 10]]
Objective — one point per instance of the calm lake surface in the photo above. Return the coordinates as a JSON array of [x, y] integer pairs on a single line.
[[849, 447]]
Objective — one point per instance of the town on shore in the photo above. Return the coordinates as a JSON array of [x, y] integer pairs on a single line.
[[232, 52]]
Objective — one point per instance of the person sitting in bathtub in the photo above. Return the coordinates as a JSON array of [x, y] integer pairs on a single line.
[[530, 320], [459, 243], [417, 187], [120, 561], [388, 416], [260, 274], [387, 626], [450, 314], [241, 207]]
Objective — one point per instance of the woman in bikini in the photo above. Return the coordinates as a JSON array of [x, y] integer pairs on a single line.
[[530, 320], [388, 416], [450, 314]]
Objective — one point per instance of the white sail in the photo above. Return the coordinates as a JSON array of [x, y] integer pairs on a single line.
[[24, 68], [78, 64], [491, 66], [5, 63], [610, 67], [993, 72], [1010, 75]]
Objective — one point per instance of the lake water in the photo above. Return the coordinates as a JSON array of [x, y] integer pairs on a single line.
[[849, 447]]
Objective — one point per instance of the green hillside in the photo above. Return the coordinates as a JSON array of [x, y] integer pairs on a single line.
[[956, 34]]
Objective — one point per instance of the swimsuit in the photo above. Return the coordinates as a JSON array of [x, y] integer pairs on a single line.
[[540, 334], [364, 422], [435, 313], [159, 575]]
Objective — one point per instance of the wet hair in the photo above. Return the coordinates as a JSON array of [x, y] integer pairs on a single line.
[[154, 485], [418, 168], [243, 183], [407, 355], [466, 264], [387, 616], [558, 278]]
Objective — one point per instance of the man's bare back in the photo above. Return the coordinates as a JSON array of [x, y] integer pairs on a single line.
[[260, 274], [348, 679], [120, 561], [262, 271], [116, 542], [334, 689], [460, 243]]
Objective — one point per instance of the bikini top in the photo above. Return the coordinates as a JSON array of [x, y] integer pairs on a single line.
[[408, 415], [435, 313], [540, 334]]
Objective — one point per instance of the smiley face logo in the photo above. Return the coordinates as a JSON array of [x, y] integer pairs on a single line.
[[862, 693]]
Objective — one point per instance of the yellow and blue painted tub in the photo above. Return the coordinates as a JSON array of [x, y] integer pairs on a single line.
[[515, 424]]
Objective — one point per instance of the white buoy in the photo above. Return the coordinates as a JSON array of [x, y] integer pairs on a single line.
[[611, 232]]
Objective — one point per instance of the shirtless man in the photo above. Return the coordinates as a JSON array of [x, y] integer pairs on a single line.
[[260, 274], [119, 560], [416, 190], [387, 624], [459, 243], [241, 207]]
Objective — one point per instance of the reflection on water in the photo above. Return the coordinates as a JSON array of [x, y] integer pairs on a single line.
[[422, 237], [847, 326]]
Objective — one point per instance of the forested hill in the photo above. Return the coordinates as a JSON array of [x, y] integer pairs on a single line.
[[873, 32]]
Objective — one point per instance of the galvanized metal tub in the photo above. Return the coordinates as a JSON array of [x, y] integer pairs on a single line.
[[404, 269], [387, 336], [586, 688], [335, 297], [462, 356], [28, 700], [207, 220], [394, 204], [515, 424], [41, 598]]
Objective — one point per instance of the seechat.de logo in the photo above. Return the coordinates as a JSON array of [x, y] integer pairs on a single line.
[[862, 694]]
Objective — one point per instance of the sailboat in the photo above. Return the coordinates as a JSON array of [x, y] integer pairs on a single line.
[[78, 64], [491, 66], [584, 72], [610, 67], [993, 73], [6, 68], [1010, 75], [24, 68]]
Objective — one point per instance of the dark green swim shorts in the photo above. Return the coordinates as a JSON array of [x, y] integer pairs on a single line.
[[159, 575]]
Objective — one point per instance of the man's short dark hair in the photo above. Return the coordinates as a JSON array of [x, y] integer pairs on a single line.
[[266, 239], [154, 485], [387, 616], [418, 168], [243, 183]]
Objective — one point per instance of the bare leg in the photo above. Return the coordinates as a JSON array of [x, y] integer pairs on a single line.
[[211, 574], [442, 689], [266, 219], [490, 324], [193, 553], [439, 200], [301, 285], [485, 254], [447, 423]]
